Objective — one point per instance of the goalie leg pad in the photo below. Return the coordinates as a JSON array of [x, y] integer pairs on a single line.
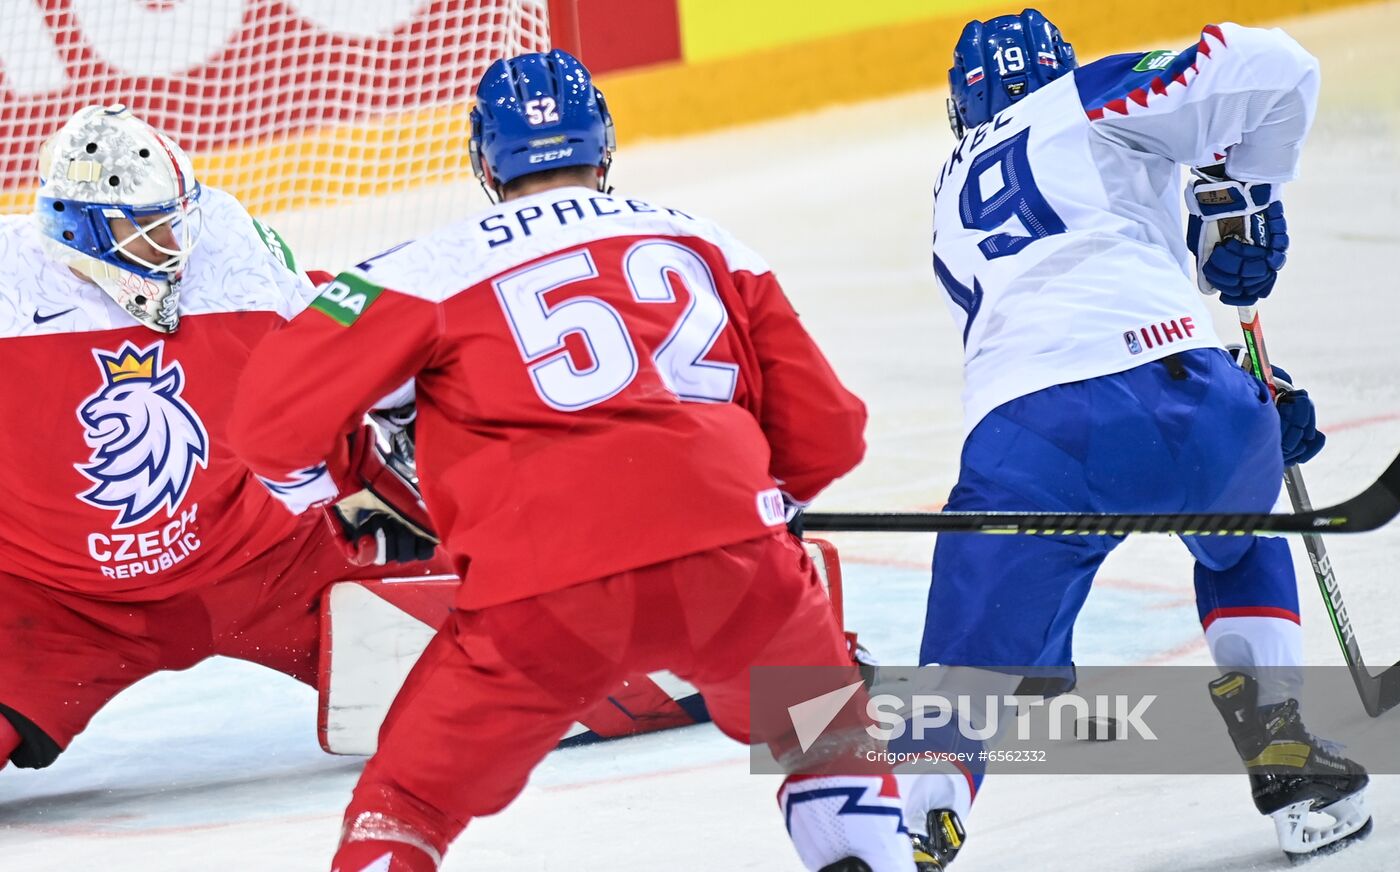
[[372, 632]]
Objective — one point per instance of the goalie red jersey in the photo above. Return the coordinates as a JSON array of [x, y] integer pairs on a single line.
[[663, 349], [119, 482]]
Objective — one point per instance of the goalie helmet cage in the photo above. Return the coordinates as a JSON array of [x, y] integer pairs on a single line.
[[343, 123]]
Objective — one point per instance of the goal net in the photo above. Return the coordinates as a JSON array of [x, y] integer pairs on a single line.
[[342, 122]]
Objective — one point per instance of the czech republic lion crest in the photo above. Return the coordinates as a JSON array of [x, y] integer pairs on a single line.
[[146, 441]]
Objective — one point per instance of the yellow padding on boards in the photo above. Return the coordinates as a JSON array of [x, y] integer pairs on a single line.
[[708, 30], [678, 99], [406, 151]]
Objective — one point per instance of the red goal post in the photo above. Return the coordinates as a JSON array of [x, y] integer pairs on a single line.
[[318, 114]]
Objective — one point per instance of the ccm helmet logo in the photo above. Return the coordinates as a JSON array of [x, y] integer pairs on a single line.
[[546, 156]]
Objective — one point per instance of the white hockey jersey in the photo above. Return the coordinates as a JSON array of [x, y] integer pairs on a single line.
[[1057, 225]]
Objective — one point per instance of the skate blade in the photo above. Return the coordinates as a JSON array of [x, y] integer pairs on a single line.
[[1332, 847], [1302, 841]]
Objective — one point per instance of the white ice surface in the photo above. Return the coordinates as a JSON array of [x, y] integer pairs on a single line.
[[218, 768]]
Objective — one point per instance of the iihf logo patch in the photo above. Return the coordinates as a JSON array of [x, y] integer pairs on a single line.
[[1130, 339], [146, 440]]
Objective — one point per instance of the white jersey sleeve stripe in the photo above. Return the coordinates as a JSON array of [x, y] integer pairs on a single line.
[[1179, 74], [1256, 89]]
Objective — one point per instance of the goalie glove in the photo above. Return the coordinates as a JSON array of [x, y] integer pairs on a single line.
[[382, 519], [793, 509], [1297, 416], [376, 538], [397, 426], [396, 420], [394, 416], [1238, 234], [396, 412]]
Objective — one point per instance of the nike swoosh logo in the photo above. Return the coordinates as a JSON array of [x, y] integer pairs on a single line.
[[44, 319]]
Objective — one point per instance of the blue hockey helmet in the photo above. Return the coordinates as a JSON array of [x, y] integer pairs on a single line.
[[999, 61], [538, 112]]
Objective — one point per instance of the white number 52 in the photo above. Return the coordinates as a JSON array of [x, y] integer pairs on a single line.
[[541, 111], [650, 266]]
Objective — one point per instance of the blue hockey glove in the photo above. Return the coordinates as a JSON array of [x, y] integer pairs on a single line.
[[1238, 235], [1297, 418]]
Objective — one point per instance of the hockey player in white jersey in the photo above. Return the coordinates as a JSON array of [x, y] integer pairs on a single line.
[[1094, 381]]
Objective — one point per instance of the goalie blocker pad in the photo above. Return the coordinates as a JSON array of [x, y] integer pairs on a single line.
[[372, 632]]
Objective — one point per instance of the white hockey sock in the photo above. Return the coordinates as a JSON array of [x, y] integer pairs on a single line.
[[1267, 648], [831, 818], [925, 792]]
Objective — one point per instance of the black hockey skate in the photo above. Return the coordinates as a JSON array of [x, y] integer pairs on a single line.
[[850, 864], [1292, 773], [933, 853]]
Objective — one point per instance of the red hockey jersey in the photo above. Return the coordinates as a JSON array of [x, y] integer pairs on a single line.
[[118, 480], [602, 384]]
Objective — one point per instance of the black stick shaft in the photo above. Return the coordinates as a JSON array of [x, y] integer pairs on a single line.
[[1373, 508]]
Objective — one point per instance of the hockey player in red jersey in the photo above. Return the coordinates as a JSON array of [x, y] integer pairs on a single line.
[[615, 402], [135, 541]]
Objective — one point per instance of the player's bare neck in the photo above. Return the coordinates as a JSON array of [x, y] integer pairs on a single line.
[[567, 177]]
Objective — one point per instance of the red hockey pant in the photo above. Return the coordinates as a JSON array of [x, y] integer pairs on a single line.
[[64, 656], [496, 689]]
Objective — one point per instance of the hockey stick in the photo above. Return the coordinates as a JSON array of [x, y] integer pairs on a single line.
[[1371, 509], [1379, 693]]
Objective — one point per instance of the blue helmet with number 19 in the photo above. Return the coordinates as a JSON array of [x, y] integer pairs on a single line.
[[999, 61], [538, 112]]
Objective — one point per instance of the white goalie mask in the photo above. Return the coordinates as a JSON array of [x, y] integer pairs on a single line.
[[119, 204]]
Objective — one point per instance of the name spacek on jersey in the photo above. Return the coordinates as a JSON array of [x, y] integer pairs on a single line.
[[599, 383], [118, 481], [1057, 225]]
